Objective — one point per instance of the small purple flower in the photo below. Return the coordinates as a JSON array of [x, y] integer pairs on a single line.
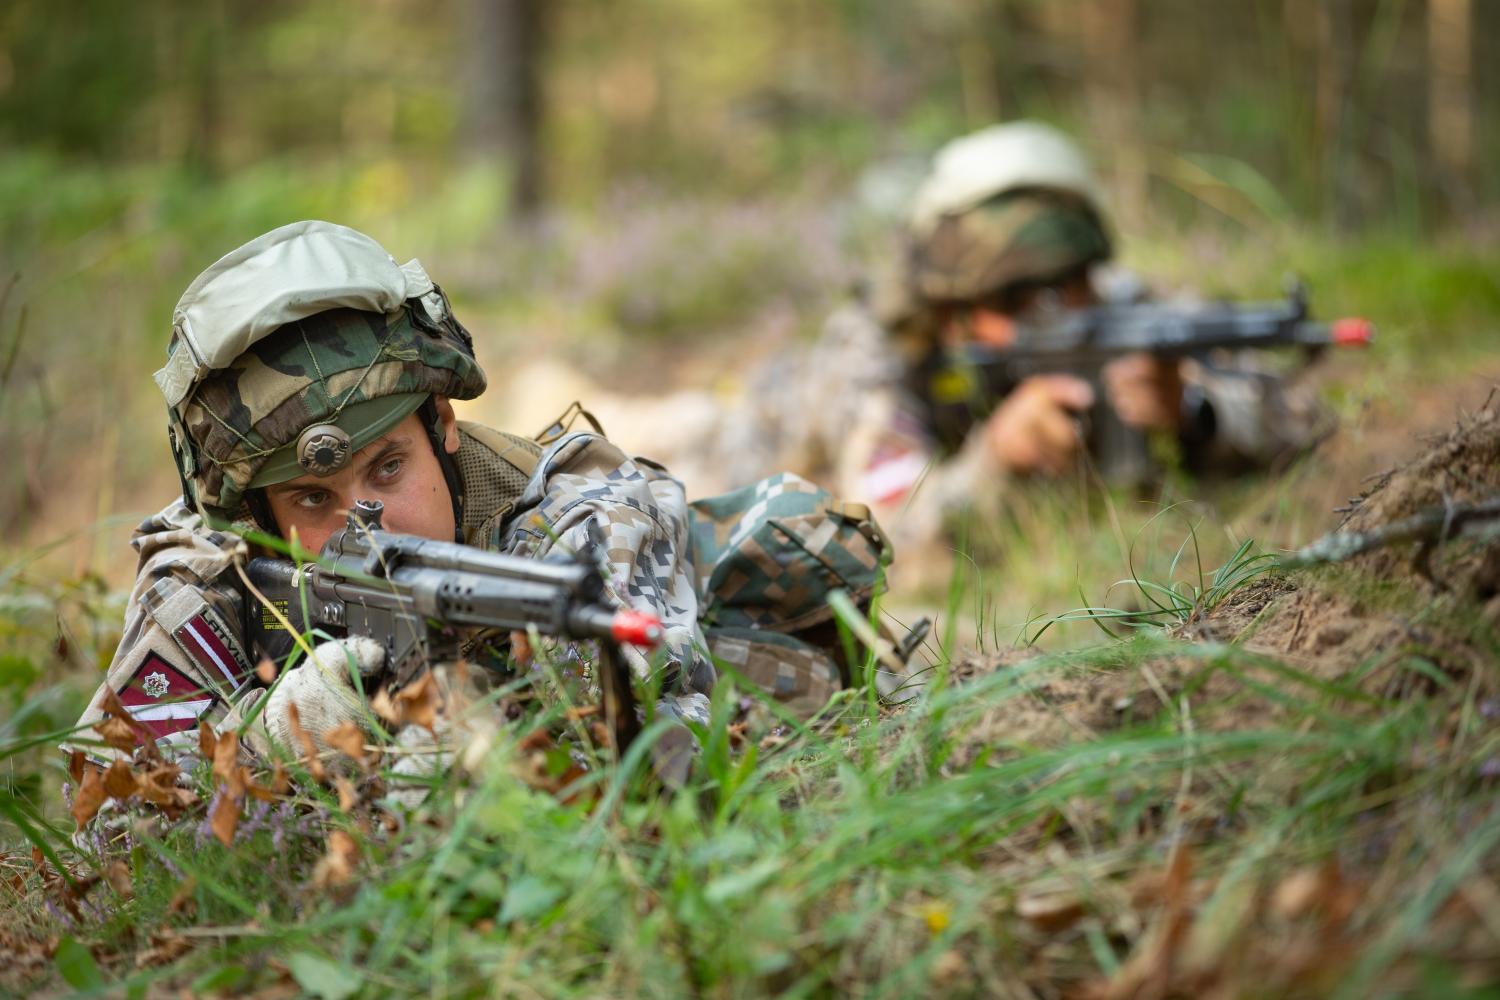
[[58, 914], [205, 830], [1490, 768]]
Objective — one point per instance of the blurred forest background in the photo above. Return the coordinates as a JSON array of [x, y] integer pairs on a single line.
[[632, 184]]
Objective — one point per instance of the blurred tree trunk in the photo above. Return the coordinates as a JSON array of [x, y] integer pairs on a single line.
[[1108, 31], [504, 100], [205, 138], [1335, 70], [1450, 93]]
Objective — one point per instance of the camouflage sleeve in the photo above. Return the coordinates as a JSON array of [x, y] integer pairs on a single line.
[[641, 515], [181, 657], [1240, 417], [882, 453]]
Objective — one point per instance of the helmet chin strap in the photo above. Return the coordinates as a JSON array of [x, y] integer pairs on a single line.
[[435, 436]]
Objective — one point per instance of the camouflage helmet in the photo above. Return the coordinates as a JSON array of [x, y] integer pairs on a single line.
[[1008, 205], [294, 351]]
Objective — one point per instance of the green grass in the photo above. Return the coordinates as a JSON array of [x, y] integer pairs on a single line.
[[890, 854], [894, 852]]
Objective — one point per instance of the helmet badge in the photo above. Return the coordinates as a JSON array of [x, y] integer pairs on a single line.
[[323, 449]]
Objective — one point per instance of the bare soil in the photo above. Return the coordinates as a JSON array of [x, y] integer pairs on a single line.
[[1392, 623]]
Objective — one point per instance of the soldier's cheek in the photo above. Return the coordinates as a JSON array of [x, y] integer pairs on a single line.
[[423, 508]]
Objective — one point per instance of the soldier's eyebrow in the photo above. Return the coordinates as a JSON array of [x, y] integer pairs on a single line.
[[388, 447]]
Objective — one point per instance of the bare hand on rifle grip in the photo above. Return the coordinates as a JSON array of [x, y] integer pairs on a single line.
[[1146, 391], [1035, 430]]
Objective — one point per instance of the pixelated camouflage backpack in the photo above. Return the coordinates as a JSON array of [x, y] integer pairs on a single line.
[[768, 555]]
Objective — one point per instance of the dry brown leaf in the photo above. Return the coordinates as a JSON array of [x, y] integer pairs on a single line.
[[1148, 972], [386, 709], [581, 712], [227, 764], [159, 785], [224, 818], [117, 874], [309, 748], [537, 739], [1297, 892], [349, 740], [115, 712], [183, 900], [265, 670], [417, 703], [337, 866], [258, 791], [348, 797], [89, 797], [208, 740], [116, 732], [1051, 913], [75, 766], [119, 781], [166, 946]]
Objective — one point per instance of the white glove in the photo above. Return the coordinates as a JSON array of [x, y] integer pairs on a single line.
[[322, 688]]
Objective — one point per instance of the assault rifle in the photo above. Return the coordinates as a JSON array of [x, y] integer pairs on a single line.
[[415, 594], [1083, 341]]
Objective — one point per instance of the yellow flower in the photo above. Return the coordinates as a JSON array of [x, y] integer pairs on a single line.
[[937, 916]]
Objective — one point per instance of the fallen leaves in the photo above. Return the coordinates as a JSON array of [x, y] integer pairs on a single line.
[[224, 817], [89, 796], [336, 867], [166, 945], [310, 758], [119, 781], [349, 740], [1051, 913], [266, 671], [117, 874], [120, 730], [416, 704]]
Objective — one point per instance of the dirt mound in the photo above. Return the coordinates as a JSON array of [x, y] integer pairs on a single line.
[[1462, 465], [1394, 623]]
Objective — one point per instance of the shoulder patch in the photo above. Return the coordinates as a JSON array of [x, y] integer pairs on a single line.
[[164, 699]]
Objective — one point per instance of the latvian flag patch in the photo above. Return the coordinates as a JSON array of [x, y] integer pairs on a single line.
[[207, 642], [163, 699]]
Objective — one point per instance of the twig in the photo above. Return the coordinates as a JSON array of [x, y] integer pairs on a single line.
[[1435, 524]]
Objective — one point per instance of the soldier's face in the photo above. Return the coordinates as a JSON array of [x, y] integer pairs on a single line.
[[398, 469], [994, 324]]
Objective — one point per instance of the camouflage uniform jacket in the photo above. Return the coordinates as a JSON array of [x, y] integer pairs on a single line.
[[182, 657]]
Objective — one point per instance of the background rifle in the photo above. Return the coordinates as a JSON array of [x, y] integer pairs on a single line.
[[415, 595], [1082, 341]]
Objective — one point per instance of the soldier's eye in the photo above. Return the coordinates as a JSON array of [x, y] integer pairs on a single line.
[[388, 470], [312, 500]]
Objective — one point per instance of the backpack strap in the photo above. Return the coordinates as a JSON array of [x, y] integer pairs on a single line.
[[564, 423], [519, 452]]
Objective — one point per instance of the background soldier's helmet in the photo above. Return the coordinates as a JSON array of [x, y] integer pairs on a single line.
[[1009, 205], [294, 351]]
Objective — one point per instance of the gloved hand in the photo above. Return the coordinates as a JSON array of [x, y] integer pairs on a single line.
[[323, 690]]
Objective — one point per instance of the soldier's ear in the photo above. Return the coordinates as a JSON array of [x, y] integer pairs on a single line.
[[449, 421]]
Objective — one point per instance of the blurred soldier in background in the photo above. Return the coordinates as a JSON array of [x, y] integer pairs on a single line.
[[1007, 224]]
